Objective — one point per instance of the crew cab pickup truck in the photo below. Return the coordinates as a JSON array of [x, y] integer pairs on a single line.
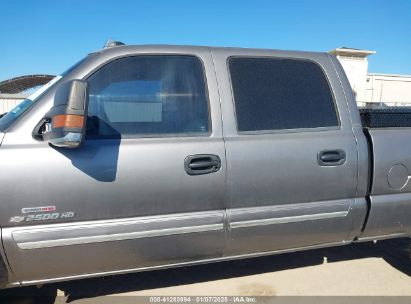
[[146, 157]]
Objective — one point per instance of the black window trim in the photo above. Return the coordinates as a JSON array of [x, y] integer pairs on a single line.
[[282, 131], [157, 135]]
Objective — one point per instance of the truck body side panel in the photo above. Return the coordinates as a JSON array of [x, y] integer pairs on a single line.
[[128, 208], [390, 196]]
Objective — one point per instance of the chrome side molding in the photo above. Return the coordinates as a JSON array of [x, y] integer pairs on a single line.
[[287, 213], [288, 219], [66, 234], [56, 235], [118, 236]]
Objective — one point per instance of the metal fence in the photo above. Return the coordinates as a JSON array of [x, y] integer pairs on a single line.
[[389, 117], [382, 105]]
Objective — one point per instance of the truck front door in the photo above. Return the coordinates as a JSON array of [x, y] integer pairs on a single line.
[[147, 188]]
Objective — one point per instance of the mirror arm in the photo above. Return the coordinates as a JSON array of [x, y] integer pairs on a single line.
[[40, 129]]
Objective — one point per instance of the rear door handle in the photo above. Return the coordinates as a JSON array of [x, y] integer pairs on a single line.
[[331, 157], [202, 164]]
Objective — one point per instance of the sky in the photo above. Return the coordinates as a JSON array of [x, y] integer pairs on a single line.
[[46, 36]]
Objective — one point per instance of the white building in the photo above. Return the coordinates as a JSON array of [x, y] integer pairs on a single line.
[[13, 91], [373, 88]]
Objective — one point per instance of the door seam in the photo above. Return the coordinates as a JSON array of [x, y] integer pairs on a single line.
[[227, 202]]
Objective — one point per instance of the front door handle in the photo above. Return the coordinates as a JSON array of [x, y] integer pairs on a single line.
[[202, 164], [331, 157]]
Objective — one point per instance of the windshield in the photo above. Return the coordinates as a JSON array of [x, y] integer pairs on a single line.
[[10, 117]]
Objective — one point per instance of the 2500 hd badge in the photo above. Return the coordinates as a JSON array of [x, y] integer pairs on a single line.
[[42, 214]]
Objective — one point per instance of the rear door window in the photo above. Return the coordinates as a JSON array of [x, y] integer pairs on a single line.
[[278, 94]]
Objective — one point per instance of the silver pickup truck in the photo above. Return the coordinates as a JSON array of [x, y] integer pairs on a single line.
[[146, 157]]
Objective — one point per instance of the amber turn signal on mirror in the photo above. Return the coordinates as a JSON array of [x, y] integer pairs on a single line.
[[68, 121]]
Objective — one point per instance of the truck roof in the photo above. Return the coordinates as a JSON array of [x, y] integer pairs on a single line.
[[192, 48]]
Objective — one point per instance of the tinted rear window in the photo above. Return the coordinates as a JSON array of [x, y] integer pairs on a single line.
[[275, 94]]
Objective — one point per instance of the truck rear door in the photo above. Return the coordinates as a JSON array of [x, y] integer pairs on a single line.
[[291, 152]]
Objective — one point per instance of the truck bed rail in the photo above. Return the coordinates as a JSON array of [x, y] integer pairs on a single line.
[[392, 117]]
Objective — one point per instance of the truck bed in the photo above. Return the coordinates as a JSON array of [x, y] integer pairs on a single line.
[[390, 117], [389, 196]]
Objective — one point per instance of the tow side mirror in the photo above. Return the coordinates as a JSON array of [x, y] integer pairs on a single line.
[[65, 123]]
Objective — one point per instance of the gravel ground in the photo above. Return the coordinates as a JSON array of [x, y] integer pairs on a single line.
[[367, 269]]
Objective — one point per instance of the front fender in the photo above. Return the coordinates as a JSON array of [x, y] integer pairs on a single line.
[[4, 274], [1, 137], [4, 278], [3, 269]]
